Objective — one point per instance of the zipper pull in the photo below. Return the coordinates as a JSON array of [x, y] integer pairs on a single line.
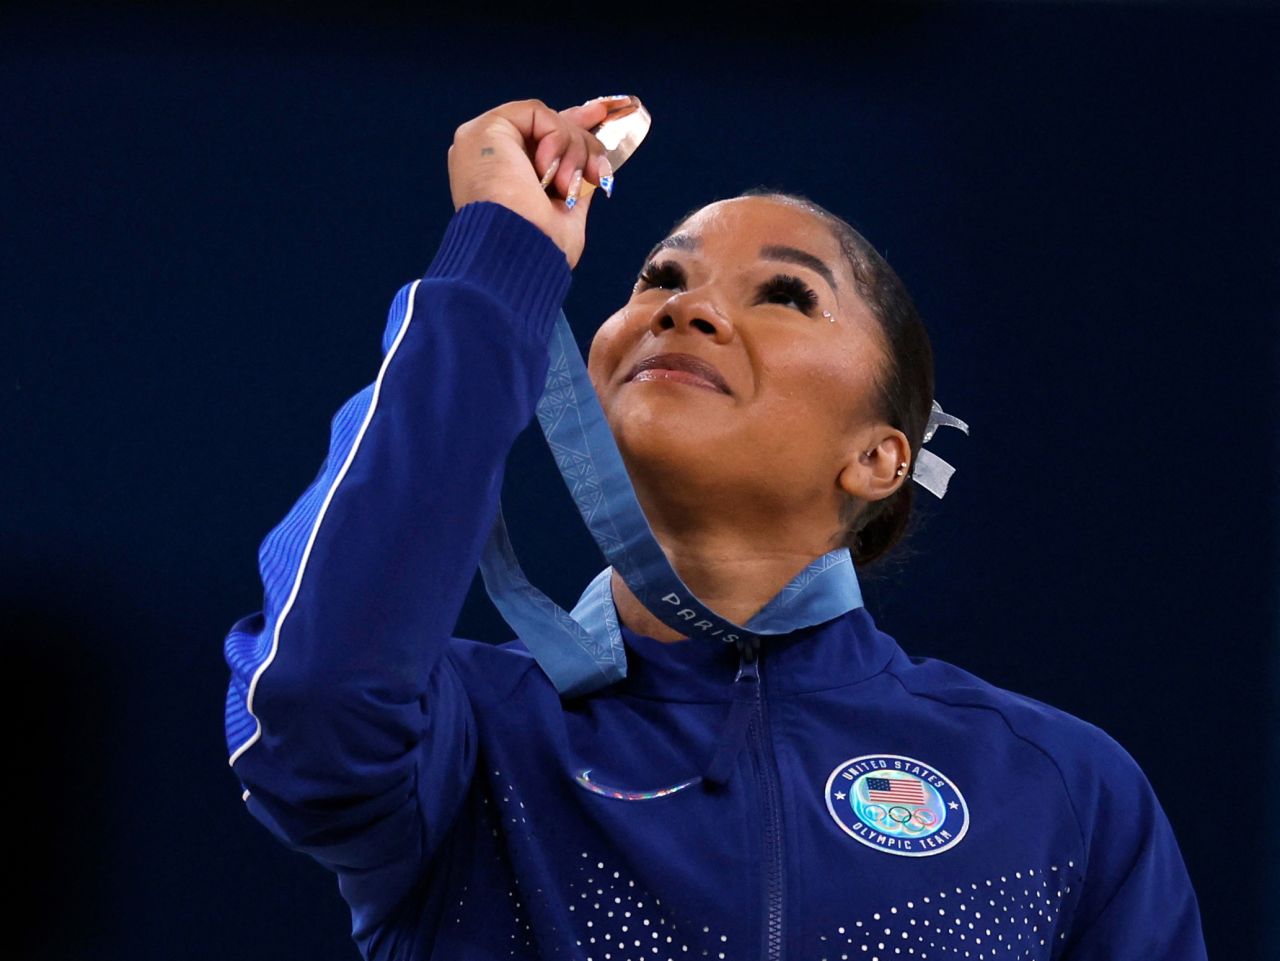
[[746, 694]]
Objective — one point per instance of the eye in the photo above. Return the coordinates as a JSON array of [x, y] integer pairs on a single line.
[[666, 275], [785, 289]]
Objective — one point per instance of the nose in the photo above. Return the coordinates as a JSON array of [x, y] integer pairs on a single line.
[[692, 310]]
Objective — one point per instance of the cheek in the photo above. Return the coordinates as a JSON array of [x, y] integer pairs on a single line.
[[608, 349], [824, 390]]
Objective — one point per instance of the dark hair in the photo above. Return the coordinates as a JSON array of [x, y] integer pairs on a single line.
[[905, 384]]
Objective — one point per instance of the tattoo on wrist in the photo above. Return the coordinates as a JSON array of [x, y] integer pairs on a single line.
[[486, 151]]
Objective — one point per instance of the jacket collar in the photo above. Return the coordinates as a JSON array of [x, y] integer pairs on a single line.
[[842, 651]]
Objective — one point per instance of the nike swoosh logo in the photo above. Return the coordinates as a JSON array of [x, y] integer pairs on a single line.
[[583, 779]]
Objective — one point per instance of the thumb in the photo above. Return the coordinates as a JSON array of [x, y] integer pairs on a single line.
[[593, 112]]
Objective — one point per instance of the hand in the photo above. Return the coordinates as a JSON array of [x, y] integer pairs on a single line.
[[504, 155]]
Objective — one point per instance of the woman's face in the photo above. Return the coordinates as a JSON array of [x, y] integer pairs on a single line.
[[785, 396]]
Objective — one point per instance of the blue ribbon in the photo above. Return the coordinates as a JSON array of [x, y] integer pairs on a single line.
[[583, 651]]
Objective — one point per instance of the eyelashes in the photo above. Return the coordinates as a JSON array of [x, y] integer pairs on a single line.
[[778, 289], [784, 287], [665, 274]]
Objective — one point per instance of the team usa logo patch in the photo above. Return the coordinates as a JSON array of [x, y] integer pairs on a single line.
[[897, 805]]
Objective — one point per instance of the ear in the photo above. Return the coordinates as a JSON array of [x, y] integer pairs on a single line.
[[878, 464]]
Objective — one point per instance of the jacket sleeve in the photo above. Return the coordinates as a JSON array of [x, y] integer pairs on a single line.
[[348, 728], [1136, 902]]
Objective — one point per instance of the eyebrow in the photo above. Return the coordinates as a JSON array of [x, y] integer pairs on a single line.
[[789, 255], [793, 256], [678, 241]]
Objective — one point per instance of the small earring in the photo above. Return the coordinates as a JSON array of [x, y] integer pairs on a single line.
[[827, 314], [902, 469]]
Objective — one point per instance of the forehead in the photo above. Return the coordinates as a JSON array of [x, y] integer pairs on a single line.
[[743, 221]]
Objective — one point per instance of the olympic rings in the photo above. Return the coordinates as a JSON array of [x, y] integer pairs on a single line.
[[899, 819], [923, 817]]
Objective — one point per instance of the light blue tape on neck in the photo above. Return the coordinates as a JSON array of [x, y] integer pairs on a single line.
[[583, 651]]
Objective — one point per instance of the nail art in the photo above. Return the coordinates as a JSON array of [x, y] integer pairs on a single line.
[[606, 177], [575, 186], [551, 172]]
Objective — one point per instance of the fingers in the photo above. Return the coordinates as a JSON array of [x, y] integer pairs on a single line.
[[567, 158], [561, 154]]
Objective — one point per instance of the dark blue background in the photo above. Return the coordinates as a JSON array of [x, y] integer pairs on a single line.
[[205, 218]]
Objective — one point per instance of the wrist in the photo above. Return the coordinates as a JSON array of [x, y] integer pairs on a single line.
[[494, 248]]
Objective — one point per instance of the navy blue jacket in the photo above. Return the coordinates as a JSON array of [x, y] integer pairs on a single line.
[[884, 808]]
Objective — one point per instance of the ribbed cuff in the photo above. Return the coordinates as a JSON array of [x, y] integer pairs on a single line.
[[497, 250]]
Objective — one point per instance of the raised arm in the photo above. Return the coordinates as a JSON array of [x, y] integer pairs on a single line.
[[346, 726]]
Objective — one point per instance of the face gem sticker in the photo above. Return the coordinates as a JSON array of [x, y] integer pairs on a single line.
[[897, 805]]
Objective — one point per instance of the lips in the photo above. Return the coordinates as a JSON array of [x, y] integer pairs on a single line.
[[682, 362]]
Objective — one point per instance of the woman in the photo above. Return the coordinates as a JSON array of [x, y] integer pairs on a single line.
[[768, 386]]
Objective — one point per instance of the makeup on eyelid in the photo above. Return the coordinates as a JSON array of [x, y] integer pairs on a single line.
[[668, 273]]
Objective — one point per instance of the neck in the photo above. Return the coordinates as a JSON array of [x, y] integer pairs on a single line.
[[729, 570], [735, 557]]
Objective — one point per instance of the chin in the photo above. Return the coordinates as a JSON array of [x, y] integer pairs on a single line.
[[657, 438]]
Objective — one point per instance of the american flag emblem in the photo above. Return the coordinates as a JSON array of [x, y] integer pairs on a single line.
[[897, 805], [902, 790]]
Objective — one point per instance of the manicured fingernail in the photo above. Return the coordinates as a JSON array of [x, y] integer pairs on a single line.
[[616, 96], [575, 186], [606, 176], [551, 172]]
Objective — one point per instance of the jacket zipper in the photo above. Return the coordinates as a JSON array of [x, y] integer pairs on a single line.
[[767, 782]]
